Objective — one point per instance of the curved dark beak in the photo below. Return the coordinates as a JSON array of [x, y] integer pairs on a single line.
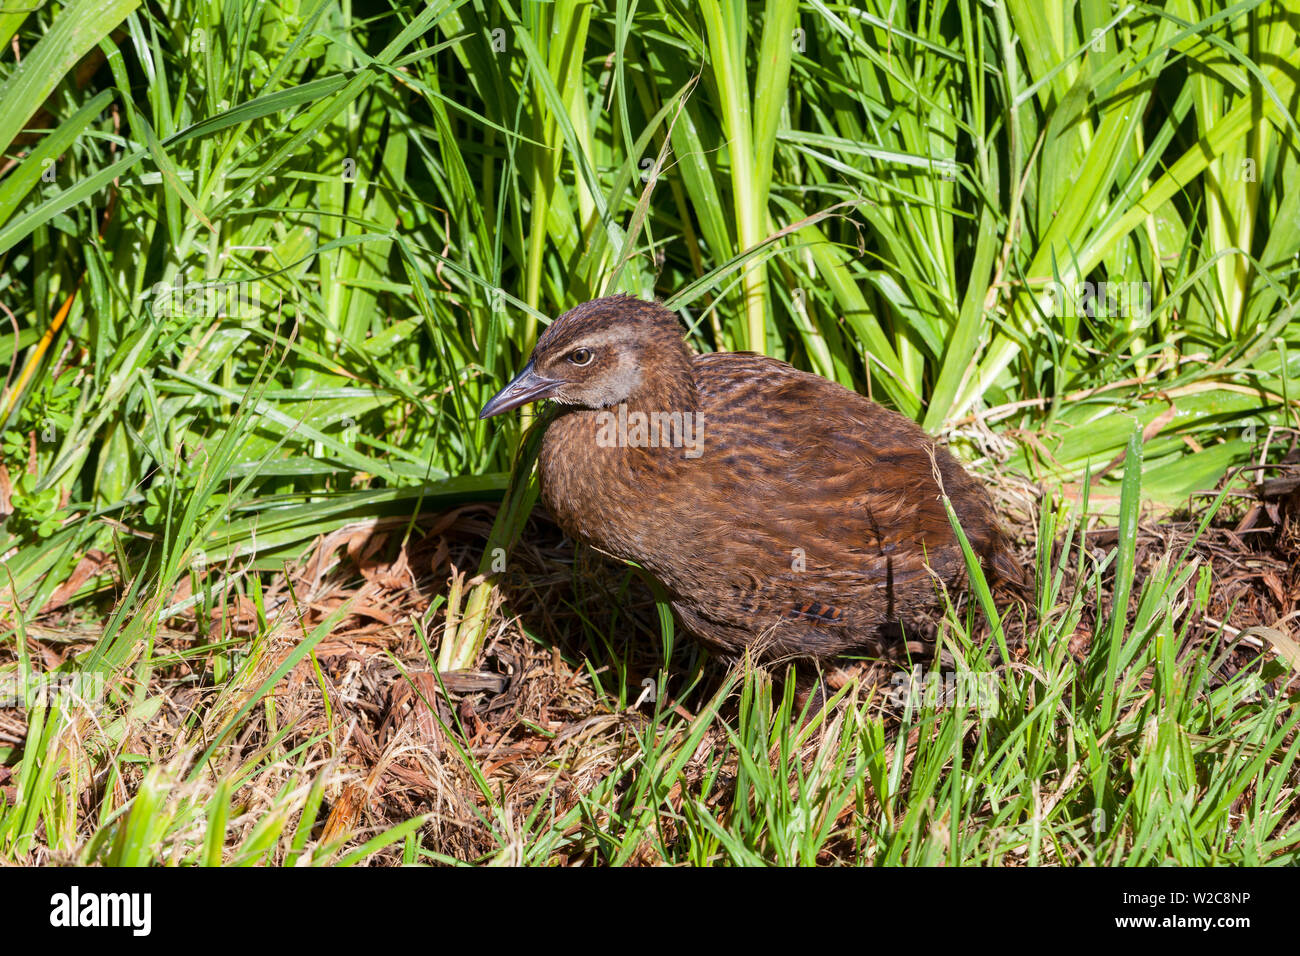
[[526, 387]]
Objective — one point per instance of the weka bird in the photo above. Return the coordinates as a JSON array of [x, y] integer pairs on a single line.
[[780, 511]]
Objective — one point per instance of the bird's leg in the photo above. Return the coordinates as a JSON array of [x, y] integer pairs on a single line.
[[812, 693]]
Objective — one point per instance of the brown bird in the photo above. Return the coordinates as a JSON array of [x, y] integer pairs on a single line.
[[779, 510]]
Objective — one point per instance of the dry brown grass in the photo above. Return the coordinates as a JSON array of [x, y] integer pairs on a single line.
[[541, 716]]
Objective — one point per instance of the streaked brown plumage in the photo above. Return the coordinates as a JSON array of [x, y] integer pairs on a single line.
[[803, 519]]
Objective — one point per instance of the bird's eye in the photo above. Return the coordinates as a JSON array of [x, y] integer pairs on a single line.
[[580, 356]]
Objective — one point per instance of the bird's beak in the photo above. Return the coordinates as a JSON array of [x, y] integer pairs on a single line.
[[526, 387]]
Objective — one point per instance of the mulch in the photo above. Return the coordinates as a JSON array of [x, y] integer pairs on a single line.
[[541, 712]]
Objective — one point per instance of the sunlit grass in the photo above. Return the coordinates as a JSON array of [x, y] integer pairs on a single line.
[[884, 194]]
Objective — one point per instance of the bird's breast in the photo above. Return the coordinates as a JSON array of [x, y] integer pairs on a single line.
[[611, 477]]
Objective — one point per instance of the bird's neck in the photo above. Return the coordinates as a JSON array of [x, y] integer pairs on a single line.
[[598, 464], [659, 423], [659, 426], [668, 386]]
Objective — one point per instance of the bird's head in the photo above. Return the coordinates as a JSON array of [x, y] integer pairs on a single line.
[[597, 355]]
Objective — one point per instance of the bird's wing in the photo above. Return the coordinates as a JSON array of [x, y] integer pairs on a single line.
[[832, 472]]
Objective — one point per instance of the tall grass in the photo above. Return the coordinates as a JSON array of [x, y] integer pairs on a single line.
[[892, 196]]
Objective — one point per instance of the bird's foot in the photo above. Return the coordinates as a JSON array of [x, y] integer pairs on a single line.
[[811, 698]]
